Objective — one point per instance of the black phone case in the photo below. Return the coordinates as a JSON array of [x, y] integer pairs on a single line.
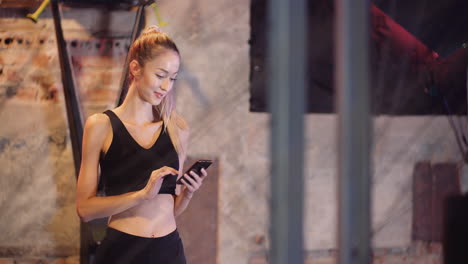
[[197, 166]]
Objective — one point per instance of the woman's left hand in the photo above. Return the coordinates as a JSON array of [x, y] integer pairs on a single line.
[[194, 182]]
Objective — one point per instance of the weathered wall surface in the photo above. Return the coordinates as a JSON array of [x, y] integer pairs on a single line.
[[37, 180]]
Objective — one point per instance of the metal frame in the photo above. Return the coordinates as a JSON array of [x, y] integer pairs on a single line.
[[287, 63], [74, 113], [75, 118], [354, 130]]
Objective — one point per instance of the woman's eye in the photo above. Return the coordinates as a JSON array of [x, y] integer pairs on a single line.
[[159, 76], [173, 79]]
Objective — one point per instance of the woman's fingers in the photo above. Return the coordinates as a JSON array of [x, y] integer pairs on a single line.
[[192, 181], [198, 178], [204, 173], [161, 172], [155, 181], [169, 170], [187, 185]]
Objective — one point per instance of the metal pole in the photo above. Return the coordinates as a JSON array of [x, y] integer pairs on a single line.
[[352, 80], [286, 67], [75, 121], [75, 118]]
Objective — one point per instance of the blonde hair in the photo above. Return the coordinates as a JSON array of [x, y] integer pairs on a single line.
[[147, 46]]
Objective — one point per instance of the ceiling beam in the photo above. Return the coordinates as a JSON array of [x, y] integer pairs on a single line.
[[20, 3]]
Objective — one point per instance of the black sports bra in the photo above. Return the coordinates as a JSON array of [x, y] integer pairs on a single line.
[[127, 166]]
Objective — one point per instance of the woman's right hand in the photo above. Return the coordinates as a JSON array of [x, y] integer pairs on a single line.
[[155, 181]]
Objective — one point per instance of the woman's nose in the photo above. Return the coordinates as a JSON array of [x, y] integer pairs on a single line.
[[165, 84]]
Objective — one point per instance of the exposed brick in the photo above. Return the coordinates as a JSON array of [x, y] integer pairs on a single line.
[[27, 94], [45, 60], [3, 73], [29, 261], [43, 77], [327, 260], [101, 95], [72, 260], [8, 91], [97, 47], [110, 77], [25, 40], [14, 57], [259, 239], [435, 248], [100, 79], [428, 260], [395, 260], [55, 261], [380, 252], [6, 261], [11, 75], [258, 260], [419, 248], [378, 260], [99, 61]]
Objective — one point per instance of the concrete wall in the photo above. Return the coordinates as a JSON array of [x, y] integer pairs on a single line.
[[399, 143], [37, 180]]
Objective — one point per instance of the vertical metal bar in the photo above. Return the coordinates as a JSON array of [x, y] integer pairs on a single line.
[[286, 66], [75, 120], [137, 27], [352, 80]]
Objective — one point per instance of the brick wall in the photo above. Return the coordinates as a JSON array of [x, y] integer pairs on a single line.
[[37, 181], [69, 260]]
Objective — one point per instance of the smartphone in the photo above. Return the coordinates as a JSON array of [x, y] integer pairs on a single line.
[[196, 167]]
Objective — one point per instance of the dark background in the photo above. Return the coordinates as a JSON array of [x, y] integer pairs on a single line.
[[417, 60]]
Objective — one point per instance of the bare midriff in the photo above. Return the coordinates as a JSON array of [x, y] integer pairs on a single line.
[[152, 218]]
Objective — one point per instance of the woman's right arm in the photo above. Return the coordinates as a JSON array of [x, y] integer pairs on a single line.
[[88, 205]]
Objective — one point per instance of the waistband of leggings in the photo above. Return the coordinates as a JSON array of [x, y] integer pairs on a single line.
[[169, 237]]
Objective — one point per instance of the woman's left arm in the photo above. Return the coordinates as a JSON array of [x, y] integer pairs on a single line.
[[190, 187], [183, 199]]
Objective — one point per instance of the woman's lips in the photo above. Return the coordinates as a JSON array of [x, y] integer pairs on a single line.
[[159, 95]]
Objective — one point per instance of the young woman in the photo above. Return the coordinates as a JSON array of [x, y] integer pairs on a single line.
[[137, 152]]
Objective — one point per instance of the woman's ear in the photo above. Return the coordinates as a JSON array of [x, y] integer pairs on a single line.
[[135, 68]]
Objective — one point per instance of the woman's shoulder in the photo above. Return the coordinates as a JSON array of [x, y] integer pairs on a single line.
[[98, 122], [96, 131]]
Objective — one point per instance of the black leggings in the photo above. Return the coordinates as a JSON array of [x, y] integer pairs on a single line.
[[122, 248]]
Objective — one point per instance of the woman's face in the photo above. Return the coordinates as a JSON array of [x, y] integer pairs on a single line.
[[157, 76]]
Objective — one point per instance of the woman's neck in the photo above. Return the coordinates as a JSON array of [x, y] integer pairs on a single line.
[[137, 111]]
